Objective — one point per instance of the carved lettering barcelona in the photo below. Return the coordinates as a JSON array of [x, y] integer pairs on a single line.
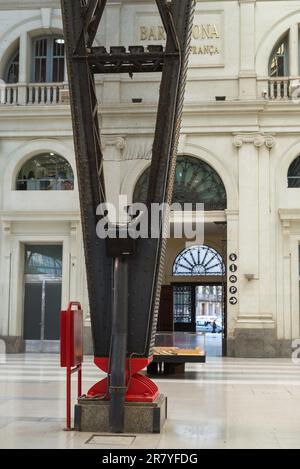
[[201, 32], [152, 33]]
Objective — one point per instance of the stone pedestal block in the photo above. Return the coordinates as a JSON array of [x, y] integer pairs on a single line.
[[92, 415]]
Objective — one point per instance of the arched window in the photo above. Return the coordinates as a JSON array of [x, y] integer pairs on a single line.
[[199, 260], [12, 70], [48, 55], [195, 182], [294, 173], [45, 172], [278, 65]]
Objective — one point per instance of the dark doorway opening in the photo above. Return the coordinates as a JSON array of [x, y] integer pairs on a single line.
[[201, 307]]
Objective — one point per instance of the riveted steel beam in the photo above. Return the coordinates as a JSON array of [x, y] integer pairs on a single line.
[[145, 266]]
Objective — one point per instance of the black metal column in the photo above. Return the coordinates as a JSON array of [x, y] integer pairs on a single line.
[[117, 387]]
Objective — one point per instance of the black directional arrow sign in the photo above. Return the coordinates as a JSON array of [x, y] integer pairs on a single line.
[[233, 300]]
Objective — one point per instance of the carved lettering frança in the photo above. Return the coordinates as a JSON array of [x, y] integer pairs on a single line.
[[205, 50]]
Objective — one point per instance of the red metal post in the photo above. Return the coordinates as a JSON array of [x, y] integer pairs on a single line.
[[79, 382], [71, 351], [68, 399], [68, 346]]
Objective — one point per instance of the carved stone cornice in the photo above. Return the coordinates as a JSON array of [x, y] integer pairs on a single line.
[[256, 139], [28, 4]]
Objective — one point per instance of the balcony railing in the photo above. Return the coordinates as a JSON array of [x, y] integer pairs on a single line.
[[37, 94], [279, 88]]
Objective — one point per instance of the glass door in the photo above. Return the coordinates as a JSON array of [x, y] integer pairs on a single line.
[[184, 308], [42, 297], [33, 310], [201, 307], [52, 310]]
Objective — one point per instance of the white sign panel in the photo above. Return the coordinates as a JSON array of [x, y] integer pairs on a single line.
[[207, 45]]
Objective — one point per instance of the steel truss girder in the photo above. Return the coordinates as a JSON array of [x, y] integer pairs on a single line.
[[89, 162], [92, 12], [146, 265], [135, 60]]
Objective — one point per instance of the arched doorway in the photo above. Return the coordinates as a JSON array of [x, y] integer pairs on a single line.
[[195, 277]]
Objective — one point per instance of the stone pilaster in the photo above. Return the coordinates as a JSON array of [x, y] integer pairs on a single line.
[[254, 314], [247, 75], [113, 148]]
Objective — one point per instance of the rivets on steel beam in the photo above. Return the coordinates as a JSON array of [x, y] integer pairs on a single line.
[[118, 50], [136, 49]]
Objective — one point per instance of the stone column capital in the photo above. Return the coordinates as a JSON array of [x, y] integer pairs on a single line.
[[113, 146], [6, 227], [269, 141], [116, 140], [256, 139]]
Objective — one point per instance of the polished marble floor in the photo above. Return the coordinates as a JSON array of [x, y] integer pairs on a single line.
[[225, 403]]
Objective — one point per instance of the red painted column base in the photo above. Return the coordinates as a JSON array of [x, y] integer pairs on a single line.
[[140, 387]]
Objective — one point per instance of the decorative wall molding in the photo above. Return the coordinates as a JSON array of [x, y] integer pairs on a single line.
[[246, 1], [28, 4], [289, 214], [138, 151]]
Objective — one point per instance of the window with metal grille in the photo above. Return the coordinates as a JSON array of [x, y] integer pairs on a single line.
[[196, 182], [199, 260], [183, 304], [43, 259]]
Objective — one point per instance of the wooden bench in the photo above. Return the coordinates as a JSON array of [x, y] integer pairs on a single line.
[[172, 360]]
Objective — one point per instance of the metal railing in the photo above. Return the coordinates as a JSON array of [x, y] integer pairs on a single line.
[[37, 94], [31, 94]]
